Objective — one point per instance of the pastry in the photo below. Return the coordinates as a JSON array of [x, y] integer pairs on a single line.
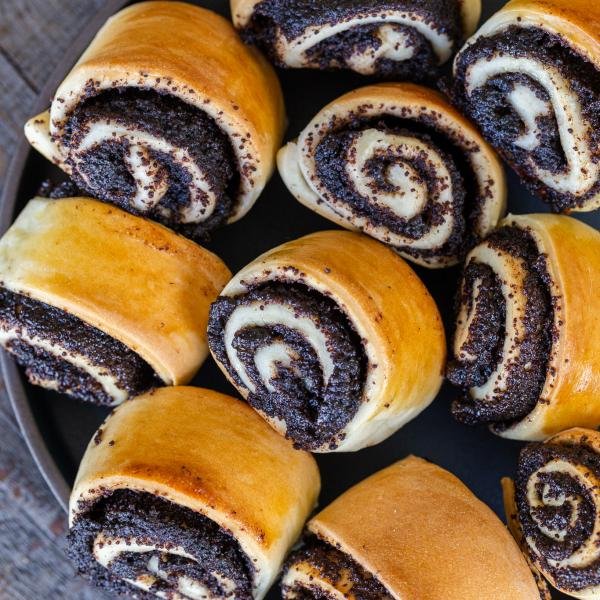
[[399, 163], [530, 78], [405, 39], [332, 338], [554, 509], [103, 305], [168, 115], [527, 333], [187, 493], [412, 530]]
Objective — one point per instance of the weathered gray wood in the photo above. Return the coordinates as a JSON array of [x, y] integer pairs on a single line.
[[33, 36], [35, 33]]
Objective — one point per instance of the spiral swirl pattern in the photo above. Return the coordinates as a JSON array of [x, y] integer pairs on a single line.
[[408, 171], [503, 333], [154, 156], [63, 353], [558, 508], [407, 40], [140, 541], [535, 94], [296, 354], [319, 570]]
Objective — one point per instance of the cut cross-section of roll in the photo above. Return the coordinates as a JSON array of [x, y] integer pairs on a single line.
[[399, 163], [103, 305], [187, 494], [402, 39], [554, 506], [168, 115], [530, 78], [332, 338], [527, 331], [414, 531]]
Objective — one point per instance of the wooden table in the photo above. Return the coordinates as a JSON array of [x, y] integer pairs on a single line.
[[33, 36]]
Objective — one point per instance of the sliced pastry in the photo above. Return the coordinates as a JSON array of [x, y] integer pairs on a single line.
[[187, 494], [527, 331], [167, 114], [401, 39], [399, 163], [410, 531], [553, 508], [332, 338], [530, 78], [103, 305]]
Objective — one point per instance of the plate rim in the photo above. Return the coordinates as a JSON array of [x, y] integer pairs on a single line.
[[13, 381]]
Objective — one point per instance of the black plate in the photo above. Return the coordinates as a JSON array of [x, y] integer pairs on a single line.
[[58, 429]]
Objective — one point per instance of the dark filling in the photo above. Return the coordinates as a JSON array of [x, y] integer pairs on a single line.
[[166, 117], [58, 190], [487, 334], [501, 124], [534, 457], [314, 413], [468, 198], [145, 518], [335, 566], [272, 18], [71, 334]]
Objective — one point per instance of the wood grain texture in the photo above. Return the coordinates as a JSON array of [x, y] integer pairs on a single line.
[[34, 34]]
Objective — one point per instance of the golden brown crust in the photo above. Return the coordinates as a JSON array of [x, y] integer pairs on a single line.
[[578, 21], [405, 101], [210, 453], [129, 277], [471, 13], [193, 54], [425, 536], [388, 306], [572, 387]]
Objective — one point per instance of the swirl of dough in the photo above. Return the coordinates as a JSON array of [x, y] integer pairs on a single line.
[[411, 530], [314, 336], [145, 121], [557, 510], [517, 354], [404, 39], [399, 163], [187, 494], [531, 81]]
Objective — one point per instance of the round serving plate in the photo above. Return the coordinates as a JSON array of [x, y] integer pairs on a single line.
[[57, 429]]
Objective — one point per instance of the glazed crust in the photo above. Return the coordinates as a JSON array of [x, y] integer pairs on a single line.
[[190, 53], [404, 101], [389, 308], [129, 277], [210, 453], [578, 21], [425, 536], [572, 386], [241, 12]]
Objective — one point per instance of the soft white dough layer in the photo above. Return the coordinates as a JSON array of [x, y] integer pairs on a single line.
[[582, 173], [257, 314], [588, 552], [410, 195], [108, 382], [303, 575], [106, 549], [150, 176], [511, 273], [394, 44]]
